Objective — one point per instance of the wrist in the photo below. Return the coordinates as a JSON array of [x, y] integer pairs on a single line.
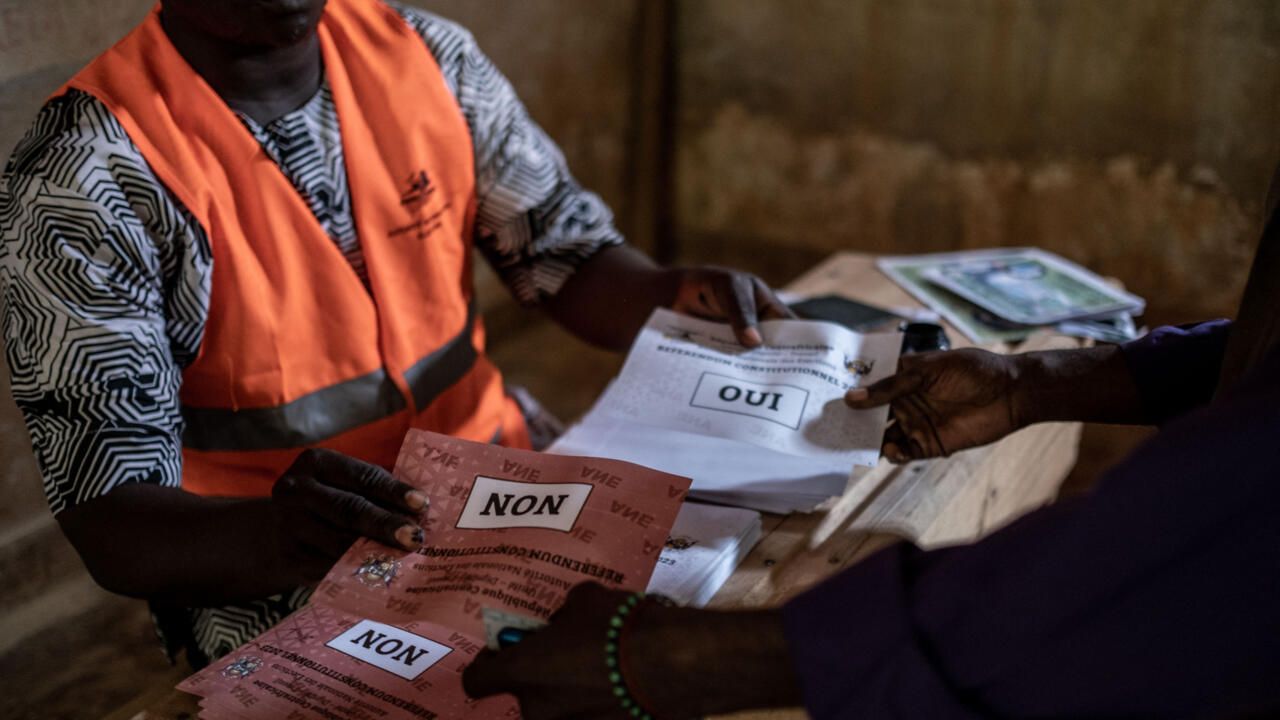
[[1080, 385], [667, 283], [1027, 376], [692, 663]]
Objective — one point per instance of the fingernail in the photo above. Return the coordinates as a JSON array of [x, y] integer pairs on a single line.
[[751, 337], [410, 537], [415, 500], [856, 395]]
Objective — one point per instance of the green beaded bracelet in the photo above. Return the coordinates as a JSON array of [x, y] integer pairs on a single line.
[[612, 663]]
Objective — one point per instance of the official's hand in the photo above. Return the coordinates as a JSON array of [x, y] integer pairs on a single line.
[[558, 671], [326, 500], [945, 401], [732, 296]]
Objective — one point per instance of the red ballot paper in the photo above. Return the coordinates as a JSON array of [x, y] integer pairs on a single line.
[[388, 632]]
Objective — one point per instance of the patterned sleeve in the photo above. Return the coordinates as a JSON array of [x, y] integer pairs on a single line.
[[535, 224], [86, 290]]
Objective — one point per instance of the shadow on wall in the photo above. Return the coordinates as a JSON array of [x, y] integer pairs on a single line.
[[751, 184], [1135, 137]]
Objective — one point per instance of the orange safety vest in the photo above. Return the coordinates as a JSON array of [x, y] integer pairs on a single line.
[[296, 352]]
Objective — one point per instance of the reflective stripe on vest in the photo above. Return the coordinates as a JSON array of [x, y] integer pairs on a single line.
[[330, 411]]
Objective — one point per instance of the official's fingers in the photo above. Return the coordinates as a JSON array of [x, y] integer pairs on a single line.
[[885, 391], [367, 480], [736, 296], [353, 512], [770, 306], [488, 674], [324, 538]]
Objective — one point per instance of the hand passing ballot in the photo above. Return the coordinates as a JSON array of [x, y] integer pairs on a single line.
[[609, 655], [942, 402], [738, 298], [326, 500]]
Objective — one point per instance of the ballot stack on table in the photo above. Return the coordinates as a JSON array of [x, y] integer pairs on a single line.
[[763, 428], [706, 545]]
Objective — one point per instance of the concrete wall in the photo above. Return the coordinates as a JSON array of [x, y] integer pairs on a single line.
[[1136, 136]]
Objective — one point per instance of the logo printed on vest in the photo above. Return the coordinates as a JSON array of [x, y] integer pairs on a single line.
[[419, 192], [495, 503], [390, 648]]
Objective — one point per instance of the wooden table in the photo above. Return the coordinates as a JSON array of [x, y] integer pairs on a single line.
[[933, 503], [971, 493]]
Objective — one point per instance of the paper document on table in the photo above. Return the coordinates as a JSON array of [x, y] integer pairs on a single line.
[[723, 471], [788, 395], [707, 544]]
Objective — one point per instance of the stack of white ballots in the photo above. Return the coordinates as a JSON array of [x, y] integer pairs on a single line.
[[707, 544], [723, 471]]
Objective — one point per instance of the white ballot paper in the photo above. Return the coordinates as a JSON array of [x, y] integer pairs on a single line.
[[765, 428], [788, 395], [706, 545]]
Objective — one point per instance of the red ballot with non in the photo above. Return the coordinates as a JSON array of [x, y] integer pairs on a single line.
[[388, 632]]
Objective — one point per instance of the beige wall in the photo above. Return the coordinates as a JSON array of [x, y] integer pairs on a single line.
[[1136, 136]]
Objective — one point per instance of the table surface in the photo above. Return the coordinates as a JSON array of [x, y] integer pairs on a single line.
[[956, 499]]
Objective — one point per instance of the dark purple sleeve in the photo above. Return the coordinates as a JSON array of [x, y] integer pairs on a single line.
[[1155, 596], [1176, 367]]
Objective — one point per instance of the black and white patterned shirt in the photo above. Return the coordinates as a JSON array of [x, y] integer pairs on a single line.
[[105, 277]]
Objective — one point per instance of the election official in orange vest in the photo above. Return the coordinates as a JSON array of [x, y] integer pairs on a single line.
[[237, 267]]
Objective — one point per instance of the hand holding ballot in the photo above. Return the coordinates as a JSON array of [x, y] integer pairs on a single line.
[[764, 427], [738, 298], [672, 662], [326, 500], [390, 628], [942, 402]]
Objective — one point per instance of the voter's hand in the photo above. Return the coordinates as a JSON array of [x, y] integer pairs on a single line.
[[738, 298], [673, 662], [941, 402], [325, 501], [558, 671]]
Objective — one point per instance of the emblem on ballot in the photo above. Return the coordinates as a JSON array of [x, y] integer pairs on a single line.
[[243, 667], [859, 367], [377, 571]]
